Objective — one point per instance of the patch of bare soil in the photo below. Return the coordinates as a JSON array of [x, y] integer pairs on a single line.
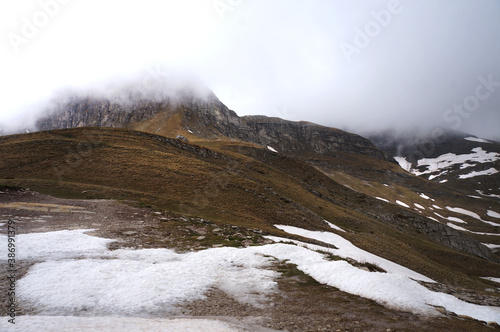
[[301, 304]]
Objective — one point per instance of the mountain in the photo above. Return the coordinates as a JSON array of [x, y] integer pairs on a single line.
[[249, 179], [469, 164], [204, 118]]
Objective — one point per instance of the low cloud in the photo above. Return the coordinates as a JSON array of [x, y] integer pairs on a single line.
[[408, 63]]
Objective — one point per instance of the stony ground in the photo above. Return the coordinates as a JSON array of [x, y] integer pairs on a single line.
[[301, 304]]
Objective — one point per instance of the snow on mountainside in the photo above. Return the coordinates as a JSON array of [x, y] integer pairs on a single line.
[[458, 160], [443, 164]]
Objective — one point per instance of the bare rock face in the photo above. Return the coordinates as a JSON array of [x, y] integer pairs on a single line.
[[97, 112], [208, 118]]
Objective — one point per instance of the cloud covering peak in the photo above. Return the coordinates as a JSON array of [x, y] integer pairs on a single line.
[[360, 66]]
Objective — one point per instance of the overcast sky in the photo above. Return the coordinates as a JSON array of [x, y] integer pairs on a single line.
[[356, 65]]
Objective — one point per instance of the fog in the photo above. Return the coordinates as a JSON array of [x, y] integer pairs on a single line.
[[362, 66]]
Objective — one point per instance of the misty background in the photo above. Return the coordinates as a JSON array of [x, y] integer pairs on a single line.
[[361, 66]]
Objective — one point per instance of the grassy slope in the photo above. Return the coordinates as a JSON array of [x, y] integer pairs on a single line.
[[228, 182]]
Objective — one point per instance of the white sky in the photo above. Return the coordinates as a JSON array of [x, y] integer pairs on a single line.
[[274, 57]]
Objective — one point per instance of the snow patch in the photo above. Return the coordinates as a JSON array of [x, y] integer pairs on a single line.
[[118, 324], [271, 149], [489, 171], [446, 161], [406, 165], [471, 214], [493, 214], [424, 196], [455, 219], [465, 165], [58, 245], [402, 204], [382, 199], [348, 250], [393, 290], [497, 280], [492, 246], [487, 195], [431, 177], [334, 226], [475, 139], [466, 230], [419, 206], [457, 227]]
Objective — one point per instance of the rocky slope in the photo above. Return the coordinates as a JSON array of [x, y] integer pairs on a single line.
[[206, 118]]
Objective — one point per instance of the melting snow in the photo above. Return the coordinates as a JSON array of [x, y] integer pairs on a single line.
[[492, 246], [271, 148], [348, 250], [93, 280], [431, 177], [419, 206], [457, 227], [493, 214], [436, 207], [334, 226], [471, 214], [424, 196], [497, 280], [475, 139], [445, 161], [466, 230], [406, 165], [391, 289], [118, 324], [489, 171], [464, 211], [487, 195], [403, 204], [382, 199], [465, 165]]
